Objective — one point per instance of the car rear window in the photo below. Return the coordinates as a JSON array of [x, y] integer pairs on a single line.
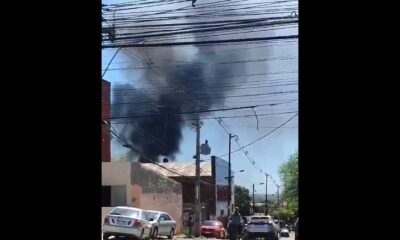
[[126, 212], [210, 223], [259, 219]]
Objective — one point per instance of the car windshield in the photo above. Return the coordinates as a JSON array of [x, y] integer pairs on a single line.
[[151, 215], [210, 223], [126, 212]]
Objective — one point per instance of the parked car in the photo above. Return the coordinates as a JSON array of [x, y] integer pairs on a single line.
[[124, 221], [284, 232], [159, 224], [211, 228], [289, 226], [261, 227]]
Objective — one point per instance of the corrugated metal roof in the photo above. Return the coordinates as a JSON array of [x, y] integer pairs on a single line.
[[186, 169]]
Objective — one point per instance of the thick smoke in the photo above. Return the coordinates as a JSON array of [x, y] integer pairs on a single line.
[[158, 96]]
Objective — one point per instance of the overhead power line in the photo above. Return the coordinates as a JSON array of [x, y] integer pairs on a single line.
[[200, 42], [205, 118], [258, 139], [222, 97], [126, 144]]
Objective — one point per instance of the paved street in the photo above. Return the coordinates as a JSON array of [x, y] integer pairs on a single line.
[[181, 237], [203, 238]]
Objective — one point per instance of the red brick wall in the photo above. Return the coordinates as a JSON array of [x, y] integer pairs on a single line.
[[105, 115]]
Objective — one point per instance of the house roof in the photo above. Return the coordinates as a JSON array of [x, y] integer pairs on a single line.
[[186, 169]]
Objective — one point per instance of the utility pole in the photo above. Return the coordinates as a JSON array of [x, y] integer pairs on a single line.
[[266, 193], [229, 177], [278, 196], [279, 205], [197, 216], [253, 200]]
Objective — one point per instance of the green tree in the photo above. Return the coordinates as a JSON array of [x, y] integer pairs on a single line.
[[242, 200], [289, 174]]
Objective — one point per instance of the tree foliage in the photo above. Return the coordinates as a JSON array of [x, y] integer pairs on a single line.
[[242, 200], [289, 174]]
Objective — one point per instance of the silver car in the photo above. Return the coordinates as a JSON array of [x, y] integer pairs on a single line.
[[125, 221], [261, 227], [159, 224]]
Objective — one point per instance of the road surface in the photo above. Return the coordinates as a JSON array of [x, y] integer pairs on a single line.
[[181, 237]]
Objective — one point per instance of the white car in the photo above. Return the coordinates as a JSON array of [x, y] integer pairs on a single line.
[[125, 221], [159, 224]]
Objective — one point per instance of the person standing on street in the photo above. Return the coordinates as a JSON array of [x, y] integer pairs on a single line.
[[234, 224], [189, 225], [296, 229]]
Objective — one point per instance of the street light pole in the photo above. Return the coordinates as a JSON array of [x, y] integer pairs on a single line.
[[232, 176]]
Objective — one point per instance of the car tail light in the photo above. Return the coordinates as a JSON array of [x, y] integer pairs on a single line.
[[106, 220], [137, 223]]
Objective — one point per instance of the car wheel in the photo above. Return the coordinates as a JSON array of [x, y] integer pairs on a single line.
[[150, 235], [171, 234], [155, 233], [141, 235], [106, 236]]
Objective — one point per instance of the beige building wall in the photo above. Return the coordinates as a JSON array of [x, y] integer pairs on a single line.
[[145, 189], [171, 204], [117, 174], [159, 193]]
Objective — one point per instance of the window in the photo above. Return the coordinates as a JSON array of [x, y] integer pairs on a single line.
[[151, 215], [165, 217]]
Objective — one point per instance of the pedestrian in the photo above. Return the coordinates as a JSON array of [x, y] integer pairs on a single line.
[[234, 224], [296, 229], [189, 225]]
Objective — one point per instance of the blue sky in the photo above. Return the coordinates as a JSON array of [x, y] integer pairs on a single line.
[[268, 153]]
